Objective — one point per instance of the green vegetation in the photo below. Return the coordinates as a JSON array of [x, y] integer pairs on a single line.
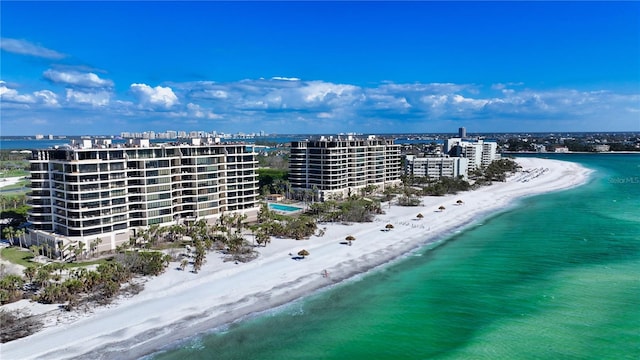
[[274, 160], [17, 255], [14, 164], [497, 171], [20, 185], [578, 145], [12, 156], [75, 265], [272, 181], [24, 257], [14, 173], [14, 207], [56, 282], [352, 209]]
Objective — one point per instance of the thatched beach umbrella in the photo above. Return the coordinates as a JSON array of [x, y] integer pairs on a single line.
[[303, 253], [350, 238], [420, 216], [389, 226], [459, 202], [441, 208]]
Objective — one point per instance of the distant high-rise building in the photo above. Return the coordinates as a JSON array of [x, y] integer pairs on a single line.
[[172, 134], [462, 132]]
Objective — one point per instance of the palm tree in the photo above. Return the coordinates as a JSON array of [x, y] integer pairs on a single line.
[[19, 234], [30, 272], [303, 253], [264, 214], [350, 238], [46, 250], [43, 275], [420, 216], [183, 264], [12, 283], [93, 245], [441, 208], [80, 249], [35, 249], [262, 236], [8, 233]]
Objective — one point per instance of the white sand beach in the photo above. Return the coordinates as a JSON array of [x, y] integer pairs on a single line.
[[178, 304], [10, 181]]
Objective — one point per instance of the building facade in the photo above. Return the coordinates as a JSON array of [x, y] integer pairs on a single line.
[[479, 152], [435, 168], [90, 190], [343, 165]]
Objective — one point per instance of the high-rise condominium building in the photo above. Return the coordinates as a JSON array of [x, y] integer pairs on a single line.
[[93, 190], [343, 165]]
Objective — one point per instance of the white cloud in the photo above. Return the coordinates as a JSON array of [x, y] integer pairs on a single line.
[[12, 95], [154, 97], [216, 94], [95, 99], [196, 111], [285, 78], [24, 47], [319, 91], [278, 105], [475, 103], [47, 97], [44, 97], [73, 78]]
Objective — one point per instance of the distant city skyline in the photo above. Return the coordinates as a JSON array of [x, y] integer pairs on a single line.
[[78, 68]]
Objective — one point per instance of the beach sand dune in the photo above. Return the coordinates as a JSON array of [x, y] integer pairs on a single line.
[[178, 304]]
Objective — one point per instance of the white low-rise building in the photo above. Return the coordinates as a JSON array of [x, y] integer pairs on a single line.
[[435, 168]]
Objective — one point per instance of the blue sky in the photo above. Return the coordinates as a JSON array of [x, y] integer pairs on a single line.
[[79, 68]]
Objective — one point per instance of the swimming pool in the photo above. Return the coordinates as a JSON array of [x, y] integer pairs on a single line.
[[285, 208]]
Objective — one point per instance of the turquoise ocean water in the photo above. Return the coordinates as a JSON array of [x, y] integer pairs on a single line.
[[555, 277]]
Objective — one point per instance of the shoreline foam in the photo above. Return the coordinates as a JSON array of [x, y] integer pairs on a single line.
[[179, 305]]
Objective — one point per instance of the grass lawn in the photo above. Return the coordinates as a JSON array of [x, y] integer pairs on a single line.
[[19, 185], [23, 257], [13, 173], [16, 255]]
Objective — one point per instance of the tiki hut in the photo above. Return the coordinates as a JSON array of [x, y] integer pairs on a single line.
[[350, 238]]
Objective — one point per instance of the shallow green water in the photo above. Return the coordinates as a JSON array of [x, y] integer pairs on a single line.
[[556, 277]]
